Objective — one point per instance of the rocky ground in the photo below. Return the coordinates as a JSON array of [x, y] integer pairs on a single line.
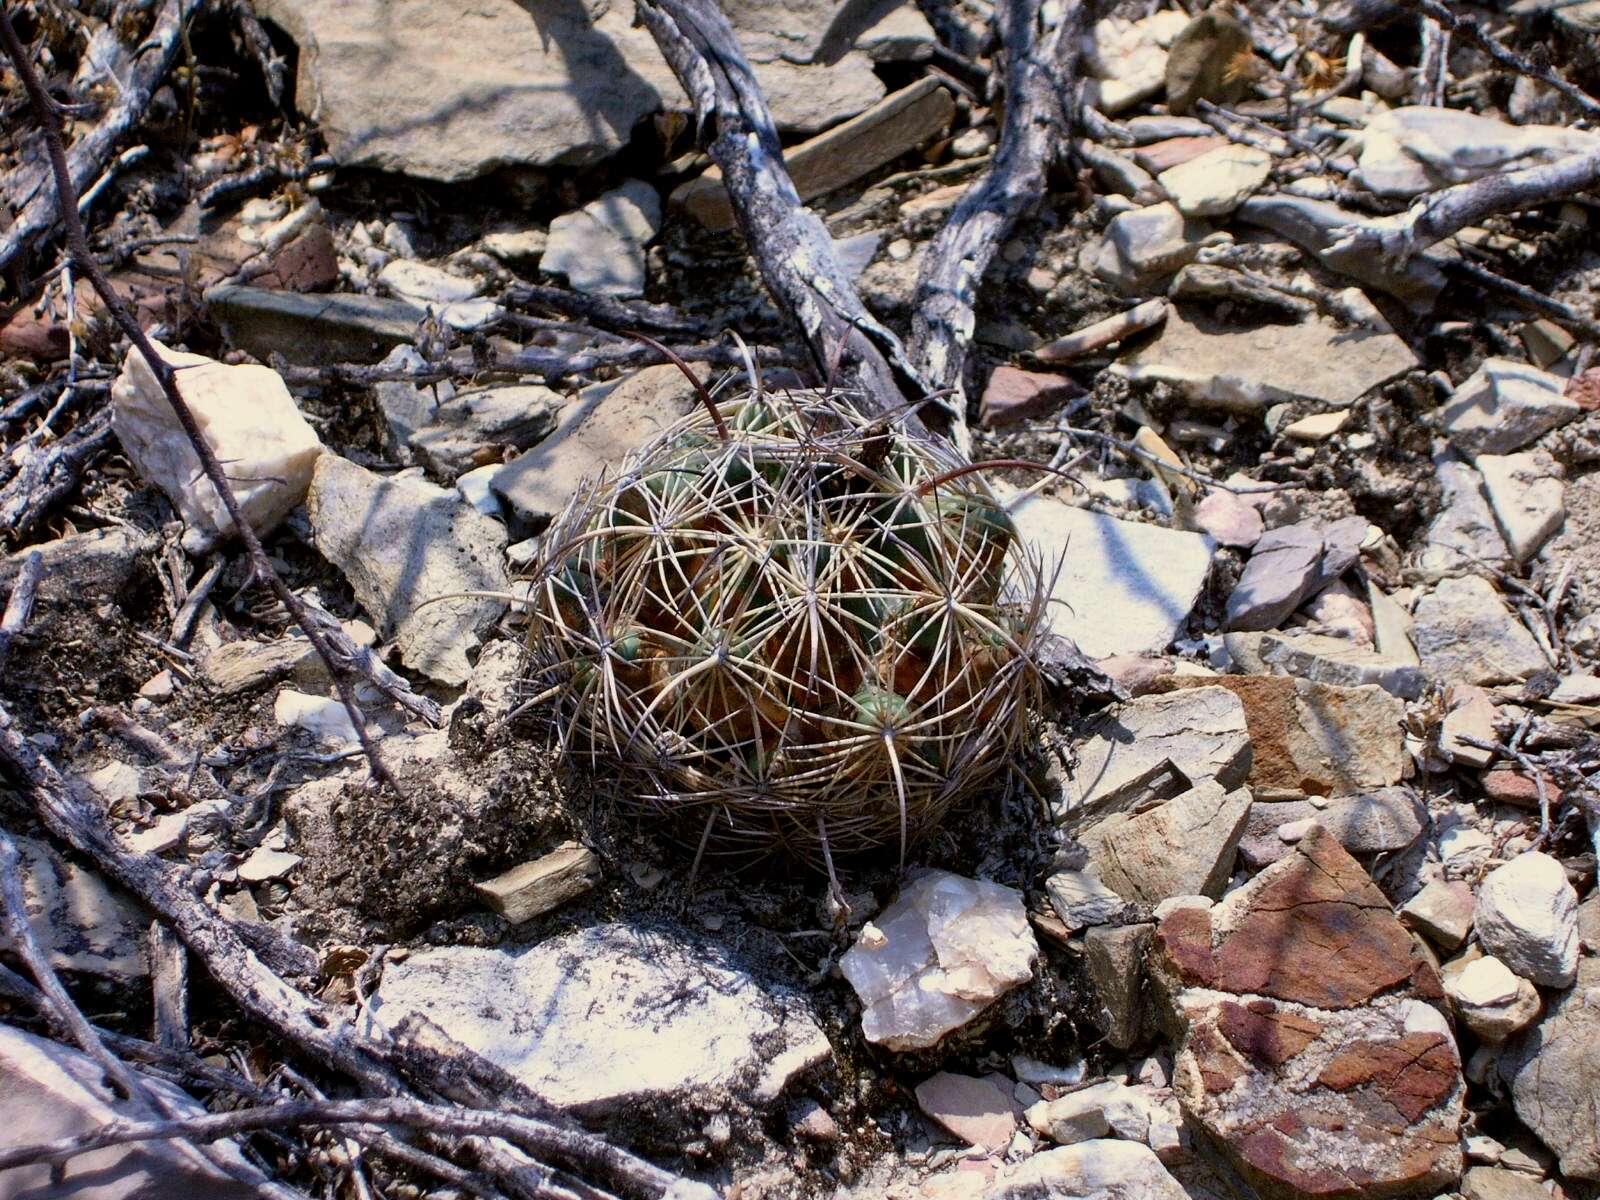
[[1304, 906]]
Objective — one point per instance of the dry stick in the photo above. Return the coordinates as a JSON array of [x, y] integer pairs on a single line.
[[1438, 215], [792, 248], [145, 68], [19, 609], [79, 252], [1041, 51], [1528, 297], [322, 1033], [603, 312]]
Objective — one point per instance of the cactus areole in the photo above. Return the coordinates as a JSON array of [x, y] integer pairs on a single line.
[[789, 630]]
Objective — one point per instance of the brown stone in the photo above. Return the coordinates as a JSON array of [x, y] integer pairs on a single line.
[[973, 1109], [1171, 152], [1415, 1072], [1585, 389], [1265, 1034], [1511, 785], [308, 263], [1184, 940], [1014, 395]]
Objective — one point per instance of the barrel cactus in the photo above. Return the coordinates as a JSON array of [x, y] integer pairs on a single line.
[[784, 626]]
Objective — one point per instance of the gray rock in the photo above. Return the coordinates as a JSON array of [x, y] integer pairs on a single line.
[[1126, 60], [1504, 405], [904, 35], [310, 329], [1142, 247], [609, 421], [1199, 733], [1339, 661], [1288, 566], [1420, 148], [1528, 498], [1442, 911], [1527, 916], [1313, 225], [1554, 1073], [78, 569], [81, 924], [1094, 1170], [1182, 847], [1124, 587], [1218, 181], [48, 1091], [1463, 535], [401, 542], [1217, 365], [1081, 900], [451, 94], [612, 1018], [1379, 821], [600, 247], [426, 284], [449, 431], [1205, 283], [1114, 960], [1465, 633]]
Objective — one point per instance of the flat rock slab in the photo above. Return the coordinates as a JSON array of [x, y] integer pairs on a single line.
[[1504, 405], [1124, 588], [1465, 633], [609, 1019], [1554, 1073], [1372, 823], [1101, 1169], [452, 93], [1182, 847], [313, 330], [1312, 1047], [1288, 566], [402, 542], [1249, 370], [1464, 534], [81, 924]]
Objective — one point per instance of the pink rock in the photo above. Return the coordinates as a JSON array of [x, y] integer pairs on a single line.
[[974, 1109], [1139, 674], [1229, 519], [1014, 395]]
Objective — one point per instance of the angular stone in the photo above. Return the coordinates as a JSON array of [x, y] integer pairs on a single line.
[[1228, 520], [325, 718], [1200, 733], [612, 1018], [1463, 535], [1128, 59], [536, 887], [1497, 1183], [1420, 148], [80, 923], [1142, 247], [1096, 1170], [246, 416], [1528, 498], [1504, 405], [426, 284], [1183, 847], [608, 422], [1013, 395], [1465, 633], [1376, 822], [1490, 1000], [600, 247], [973, 1109], [313, 331], [1527, 915], [1094, 1111], [1218, 181], [1510, 785], [1113, 956], [1468, 722], [935, 958], [897, 123], [1289, 565], [1441, 911], [1081, 900], [402, 542], [49, 1092], [1247, 371], [1554, 1073], [1124, 587], [1339, 662]]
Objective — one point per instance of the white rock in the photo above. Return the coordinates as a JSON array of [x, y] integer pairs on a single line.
[[1492, 1001], [266, 863], [81, 924], [426, 284], [1527, 496], [1417, 148], [247, 417], [1463, 842], [1216, 182], [1504, 405], [1080, 900], [600, 247], [609, 1019], [1464, 534], [1483, 981], [475, 489], [1527, 916], [1129, 58], [1124, 587], [1092, 1112], [937, 957], [322, 717], [1097, 1170]]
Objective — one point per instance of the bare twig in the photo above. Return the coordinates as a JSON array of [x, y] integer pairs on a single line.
[[273, 67], [52, 470], [78, 249], [1041, 53], [1528, 297], [603, 312], [19, 608]]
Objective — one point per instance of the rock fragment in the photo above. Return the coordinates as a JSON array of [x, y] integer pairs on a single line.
[[1441, 911], [1528, 498], [1374, 822], [1182, 847], [1490, 1000], [534, 888], [1554, 1073], [313, 330], [1287, 566], [939, 955], [1464, 535], [1339, 662], [1113, 956], [1465, 632], [80, 923], [1504, 405], [1142, 247], [1420, 148], [1218, 181], [600, 247], [1527, 916], [1101, 1170], [975, 1110]]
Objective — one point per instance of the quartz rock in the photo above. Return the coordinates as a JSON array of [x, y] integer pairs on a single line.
[[324, 718], [1527, 915], [248, 418], [938, 956]]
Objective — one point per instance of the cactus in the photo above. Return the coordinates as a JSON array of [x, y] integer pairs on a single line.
[[785, 627]]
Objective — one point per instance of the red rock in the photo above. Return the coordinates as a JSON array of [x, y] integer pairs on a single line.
[[1585, 389], [308, 263], [1265, 1034], [1414, 1072], [1229, 519], [1510, 785], [1014, 395], [973, 1109], [1171, 152]]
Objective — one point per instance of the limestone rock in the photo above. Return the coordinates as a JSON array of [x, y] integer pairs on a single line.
[[48, 1091], [401, 542], [612, 1018], [1143, 246], [600, 247], [313, 330], [1528, 499], [1312, 1050], [81, 924], [1200, 733], [1218, 181], [1339, 662], [1374, 822], [1143, 579], [1465, 633], [1504, 405], [1182, 847], [1468, 722], [1527, 915], [1464, 533], [1102, 1108], [1554, 1073], [248, 418], [1095, 1170], [1497, 1183], [1442, 911], [1420, 148], [1081, 900], [1490, 1000], [939, 955], [1287, 566]]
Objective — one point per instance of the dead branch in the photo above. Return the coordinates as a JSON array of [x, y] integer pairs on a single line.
[[1438, 215], [51, 470], [273, 67], [19, 608], [789, 242], [139, 75], [603, 312], [1041, 54], [83, 259]]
